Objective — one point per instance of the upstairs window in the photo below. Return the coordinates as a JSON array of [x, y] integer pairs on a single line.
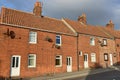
[[92, 41], [33, 37], [58, 40], [32, 60], [104, 42]]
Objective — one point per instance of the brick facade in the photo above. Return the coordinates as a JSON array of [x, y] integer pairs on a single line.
[[75, 47], [45, 52]]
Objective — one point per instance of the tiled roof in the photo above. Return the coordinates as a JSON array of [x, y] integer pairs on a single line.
[[111, 32], [86, 29], [14, 17]]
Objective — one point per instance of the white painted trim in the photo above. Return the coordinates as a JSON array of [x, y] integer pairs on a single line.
[[60, 61], [60, 40], [34, 61], [69, 26], [35, 37]]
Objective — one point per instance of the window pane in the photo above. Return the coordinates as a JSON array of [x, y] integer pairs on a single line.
[[13, 61], [17, 61], [58, 39], [32, 37], [57, 62], [31, 60], [92, 41]]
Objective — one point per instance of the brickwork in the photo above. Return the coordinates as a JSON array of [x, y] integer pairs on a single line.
[[45, 52]]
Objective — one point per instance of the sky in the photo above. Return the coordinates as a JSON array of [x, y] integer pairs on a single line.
[[98, 12]]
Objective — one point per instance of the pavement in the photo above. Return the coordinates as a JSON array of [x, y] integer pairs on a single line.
[[80, 73]]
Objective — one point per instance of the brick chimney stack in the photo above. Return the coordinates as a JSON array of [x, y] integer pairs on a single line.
[[37, 9], [110, 25], [82, 18]]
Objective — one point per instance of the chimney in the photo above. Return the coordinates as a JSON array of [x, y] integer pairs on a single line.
[[37, 9], [82, 18], [110, 25]]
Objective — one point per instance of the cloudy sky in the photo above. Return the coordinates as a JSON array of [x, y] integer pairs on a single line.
[[98, 12]]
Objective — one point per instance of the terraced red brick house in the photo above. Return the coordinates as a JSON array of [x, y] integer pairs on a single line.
[[95, 47], [34, 45]]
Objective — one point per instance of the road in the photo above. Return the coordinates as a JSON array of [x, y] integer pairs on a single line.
[[110, 75]]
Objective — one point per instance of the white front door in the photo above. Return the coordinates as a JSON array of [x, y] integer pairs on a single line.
[[69, 64], [15, 65], [111, 60], [85, 60]]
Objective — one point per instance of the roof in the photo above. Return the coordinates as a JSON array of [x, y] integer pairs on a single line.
[[86, 29], [19, 18], [112, 32]]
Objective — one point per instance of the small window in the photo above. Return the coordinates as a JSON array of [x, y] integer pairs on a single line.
[[32, 60], [105, 56], [104, 42], [58, 61], [93, 57], [58, 40], [80, 53], [33, 37], [92, 41]]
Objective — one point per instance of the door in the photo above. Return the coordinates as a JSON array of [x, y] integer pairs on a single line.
[[111, 60], [85, 60], [69, 64], [15, 65]]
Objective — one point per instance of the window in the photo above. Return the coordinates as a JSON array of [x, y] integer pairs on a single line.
[[80, 53], [32, 37], [32, 60], [58, 40], [58, 61], [92, 41], [104, 42], [93, 57], [105, 56]]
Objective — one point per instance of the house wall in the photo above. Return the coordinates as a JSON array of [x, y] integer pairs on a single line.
[[86, 48], [45, 52], [117, 44], [109, 49]]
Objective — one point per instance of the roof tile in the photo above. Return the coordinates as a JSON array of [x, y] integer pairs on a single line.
[[14, 17]]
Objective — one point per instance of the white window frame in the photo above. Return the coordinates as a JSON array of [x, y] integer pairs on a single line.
[[34, 58], [92, 41], [80, 53], [105, 42], [60, 58], [33, 35], [93, 57], [59, 39]]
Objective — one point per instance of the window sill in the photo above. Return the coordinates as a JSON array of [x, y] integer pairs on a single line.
[[58, 66], [31, 66], [32, 43]]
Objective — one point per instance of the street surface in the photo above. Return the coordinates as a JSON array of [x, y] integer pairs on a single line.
[[110, 75]]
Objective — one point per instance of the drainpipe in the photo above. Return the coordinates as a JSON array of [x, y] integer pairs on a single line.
[[77, 53]]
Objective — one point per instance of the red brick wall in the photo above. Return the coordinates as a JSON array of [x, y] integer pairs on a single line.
[[110, 49], [45, 52], [86, 48], [117, 44]]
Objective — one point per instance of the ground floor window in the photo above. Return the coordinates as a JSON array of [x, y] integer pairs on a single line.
[[93, 57], [105, 56], [32, 60], [58, 61]]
